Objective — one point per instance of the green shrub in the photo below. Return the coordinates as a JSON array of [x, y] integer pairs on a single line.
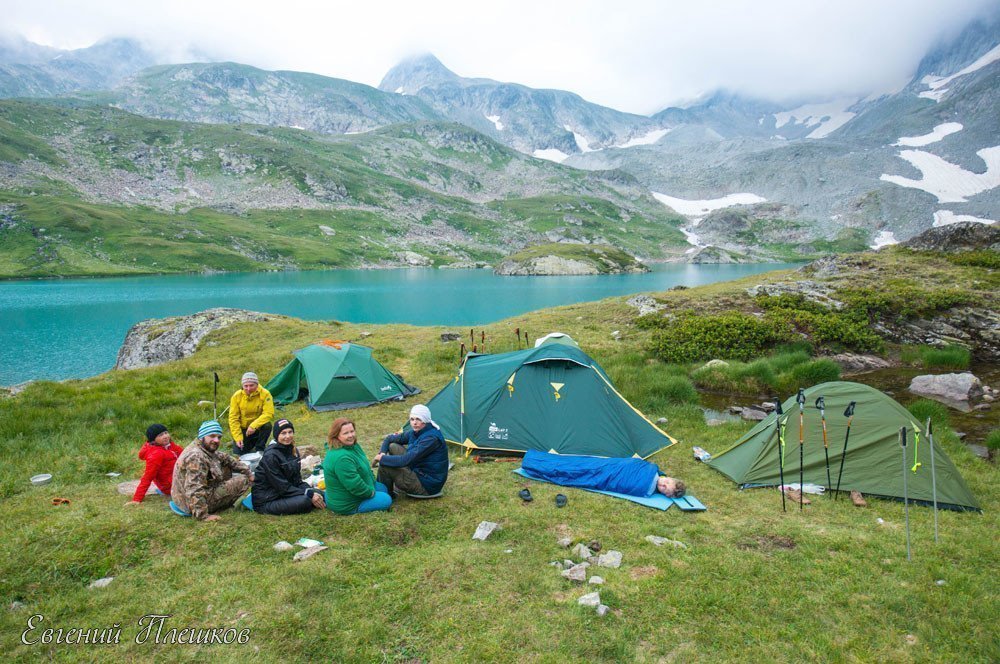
[[993, 440], [925, 408], [803, 345], [951, 356], [796, 301], [898, 298], [733, 335], [833, 329], [981, 258]]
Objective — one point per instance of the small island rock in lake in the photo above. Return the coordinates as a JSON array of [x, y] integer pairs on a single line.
[[569, 259]]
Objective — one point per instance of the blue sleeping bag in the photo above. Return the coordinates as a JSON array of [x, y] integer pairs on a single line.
[[632, 477]]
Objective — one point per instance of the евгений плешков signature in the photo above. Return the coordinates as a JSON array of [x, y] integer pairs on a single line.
[[151, 628]]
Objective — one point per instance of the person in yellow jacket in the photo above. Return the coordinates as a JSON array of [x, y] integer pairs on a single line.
[[251, 411]]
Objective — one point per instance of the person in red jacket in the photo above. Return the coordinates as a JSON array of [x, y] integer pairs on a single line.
[[160, 454]]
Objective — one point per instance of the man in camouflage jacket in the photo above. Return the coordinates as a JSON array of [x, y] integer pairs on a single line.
[[206, 480]]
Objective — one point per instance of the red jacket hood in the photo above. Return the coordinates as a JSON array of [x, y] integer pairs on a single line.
[[149, 449]]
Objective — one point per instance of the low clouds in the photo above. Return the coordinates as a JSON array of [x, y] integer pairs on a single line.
[[633, 55]]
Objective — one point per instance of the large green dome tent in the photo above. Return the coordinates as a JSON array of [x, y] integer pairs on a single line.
[[873, 463], [552, 398], [337, 375]]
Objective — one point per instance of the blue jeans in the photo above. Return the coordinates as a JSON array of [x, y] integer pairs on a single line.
[[380, 502]]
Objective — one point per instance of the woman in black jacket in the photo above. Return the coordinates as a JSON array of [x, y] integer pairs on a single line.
[[277, 486]]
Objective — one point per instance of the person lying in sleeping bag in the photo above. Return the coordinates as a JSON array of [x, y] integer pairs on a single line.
[[632, 476]]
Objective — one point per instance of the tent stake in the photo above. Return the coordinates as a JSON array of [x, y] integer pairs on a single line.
[[906, 501], [849, 414], [930, 438]]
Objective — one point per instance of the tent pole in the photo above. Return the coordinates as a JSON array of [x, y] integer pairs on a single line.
[[930, 438], [801, 399], [849, 414], [778, 412], [906, 501]]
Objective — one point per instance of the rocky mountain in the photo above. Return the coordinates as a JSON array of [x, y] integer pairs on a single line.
[[31, 70], [229, 93], [94, 189], [551, 124]]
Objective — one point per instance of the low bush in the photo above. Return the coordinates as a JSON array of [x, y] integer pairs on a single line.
[[982, 258], [734, 336]]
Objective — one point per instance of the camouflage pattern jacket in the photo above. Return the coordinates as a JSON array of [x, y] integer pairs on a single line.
[[197, 473]]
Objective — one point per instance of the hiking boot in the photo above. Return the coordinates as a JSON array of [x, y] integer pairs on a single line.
[[796, 497], [560, 500], [525, 495], [858, 499]]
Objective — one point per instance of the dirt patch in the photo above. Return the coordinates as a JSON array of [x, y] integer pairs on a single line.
[[643, 572], [766, 543]]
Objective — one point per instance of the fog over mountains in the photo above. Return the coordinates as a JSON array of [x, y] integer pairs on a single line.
[[755, 177]]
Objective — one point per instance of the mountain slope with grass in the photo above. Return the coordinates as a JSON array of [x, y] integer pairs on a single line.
[[95, 190], [726, 600]]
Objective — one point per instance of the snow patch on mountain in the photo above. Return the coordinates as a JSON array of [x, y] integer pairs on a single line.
[[950, 183], [829, 116], [582, 142], [399, 90], [884, 239], [937, 83], [551, 154], [495, 119], [692, 239], [646, 139], [936, 135], [947, 217], [700, 208]]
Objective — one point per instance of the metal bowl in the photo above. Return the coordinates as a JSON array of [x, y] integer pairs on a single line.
[[39, 480]]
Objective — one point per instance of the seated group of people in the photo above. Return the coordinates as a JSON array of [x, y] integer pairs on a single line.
[[202, 481]]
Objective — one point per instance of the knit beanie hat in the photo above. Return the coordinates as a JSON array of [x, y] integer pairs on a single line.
[[280, 426], [209, 427], [249, 377], [153, 431]]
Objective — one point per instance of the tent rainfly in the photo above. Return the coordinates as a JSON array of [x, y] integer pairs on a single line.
[[551, 398], [337, 375], [873, 462]]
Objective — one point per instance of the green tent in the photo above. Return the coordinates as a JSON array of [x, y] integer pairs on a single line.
[[874, 461], [337, 375], [552, 398]]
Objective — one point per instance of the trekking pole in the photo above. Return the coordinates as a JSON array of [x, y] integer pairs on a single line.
[[821, 404], [215, 397], [482, 340], [779, 411], [461, 352], [801, 399], [930, 440], [849, 414], [517, 334], [906, 501]]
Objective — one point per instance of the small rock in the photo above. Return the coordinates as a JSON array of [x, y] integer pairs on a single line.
[[581, 552], [565, 542], [989, 398], [660, 541], [450, 336], [594, 546], [880, 521], [616, 335], [980, 451], [661, 420], [941, 582], [555, 563], [508, 550], [590, 599], [101, 583], [484, 530], [753, 414], [112, 474], [305, 554], [766, 406], [911, 640], [711, 364], [960, 435], [953, 387], [735, 410], [576, 573], [283, 546], [611, 559], [16, 606], [982, 406], [602, 610], [567, 563], [596, 581]]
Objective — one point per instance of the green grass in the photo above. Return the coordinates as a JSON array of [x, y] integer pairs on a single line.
[[411, 585], [948, 357], [993, 440]]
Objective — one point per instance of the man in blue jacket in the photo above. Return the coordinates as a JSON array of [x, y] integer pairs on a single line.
[[414, 462]]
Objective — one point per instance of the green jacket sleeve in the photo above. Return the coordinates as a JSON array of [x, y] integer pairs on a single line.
[[234, 418], [267, 410], [350, 475]]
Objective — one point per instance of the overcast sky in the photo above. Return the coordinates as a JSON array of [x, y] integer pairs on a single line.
[[633, 55]]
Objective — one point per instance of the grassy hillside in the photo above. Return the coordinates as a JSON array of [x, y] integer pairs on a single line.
[[191, 196], [829, 584]]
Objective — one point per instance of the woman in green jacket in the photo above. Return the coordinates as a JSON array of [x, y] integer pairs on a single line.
[[350, 486]]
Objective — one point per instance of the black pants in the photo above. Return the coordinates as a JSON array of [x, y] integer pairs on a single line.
[[255, 443], [293, 505]]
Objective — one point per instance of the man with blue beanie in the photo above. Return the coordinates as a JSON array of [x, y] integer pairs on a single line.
[[206, 480]]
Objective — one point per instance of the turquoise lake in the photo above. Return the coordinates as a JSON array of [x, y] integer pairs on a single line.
[[72, 328]]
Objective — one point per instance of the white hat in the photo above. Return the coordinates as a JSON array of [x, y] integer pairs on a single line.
[[423, 413]]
